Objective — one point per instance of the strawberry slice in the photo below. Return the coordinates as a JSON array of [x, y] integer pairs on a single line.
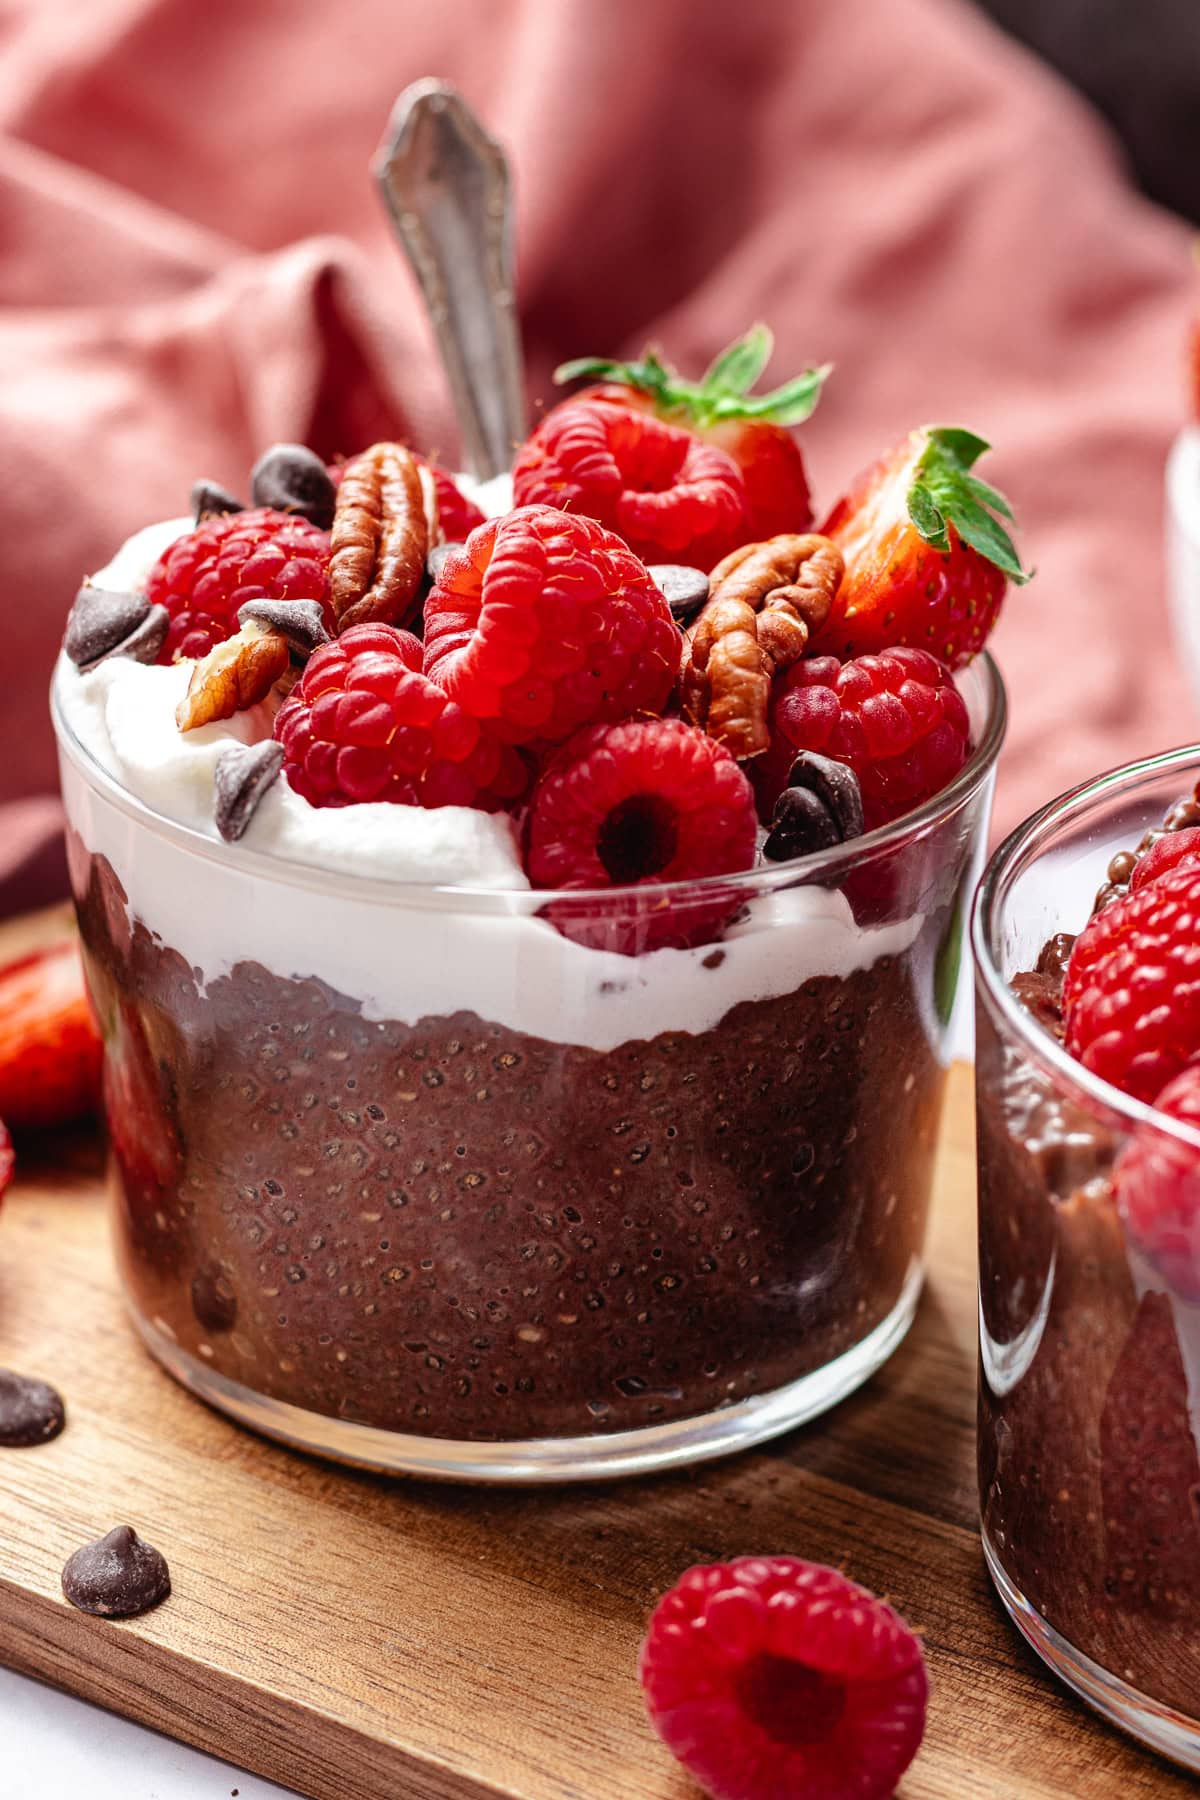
[[928, 559], [720, 409], [49, 1045]]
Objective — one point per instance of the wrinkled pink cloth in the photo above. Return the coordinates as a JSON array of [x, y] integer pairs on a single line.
[[196, 264]]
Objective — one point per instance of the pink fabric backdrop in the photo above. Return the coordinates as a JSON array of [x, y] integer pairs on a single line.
[[195, 264]]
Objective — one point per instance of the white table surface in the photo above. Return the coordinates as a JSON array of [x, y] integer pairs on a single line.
[[54, 1747]]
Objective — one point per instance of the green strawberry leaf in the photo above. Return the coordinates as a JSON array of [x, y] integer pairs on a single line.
[[945, 492], [650, 376], [737, 369], [924, 513], [724, 392]]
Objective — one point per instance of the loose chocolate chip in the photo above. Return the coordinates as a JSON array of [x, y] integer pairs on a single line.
[[241, 776], [117, 1576], [1121, 868], [99, 621], [301, 622], [293, 479], [210, 499], [835, 784], [800, 824], [436, 559], [31, 1412], [685, 590]]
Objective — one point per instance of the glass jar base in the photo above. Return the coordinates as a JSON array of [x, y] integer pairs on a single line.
[[1160, 1727], [646, 1451]]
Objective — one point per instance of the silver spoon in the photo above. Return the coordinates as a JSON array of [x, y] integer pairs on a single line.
[[447, 187]]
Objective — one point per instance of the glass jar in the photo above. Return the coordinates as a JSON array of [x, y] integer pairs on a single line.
[[1089, 1399], [410, 1177]]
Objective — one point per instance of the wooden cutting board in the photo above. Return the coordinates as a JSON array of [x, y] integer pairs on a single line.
[[365, 1639]]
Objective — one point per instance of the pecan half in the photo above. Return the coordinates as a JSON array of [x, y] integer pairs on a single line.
[[234, 675], [379, 538], [766, 602]]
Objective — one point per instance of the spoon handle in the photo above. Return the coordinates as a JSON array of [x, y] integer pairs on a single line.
[[448, 190]]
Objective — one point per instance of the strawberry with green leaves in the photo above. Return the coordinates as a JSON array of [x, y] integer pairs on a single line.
[[928, 557], [753, 430]]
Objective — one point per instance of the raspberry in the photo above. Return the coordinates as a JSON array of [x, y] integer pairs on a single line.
[[896, 719], [457, 515], [544, 622], [1158, 1188], [363, 723], [204, 577], [649, 800], [1131, 995], [777, 1679], [1168, 851], [670, 496]]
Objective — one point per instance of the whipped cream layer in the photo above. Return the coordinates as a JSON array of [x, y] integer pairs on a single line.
[[417, 955]]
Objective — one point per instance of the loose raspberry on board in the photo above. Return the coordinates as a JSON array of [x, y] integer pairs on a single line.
[[771, 1678], [230, 558], [545, 622], [363, 723]]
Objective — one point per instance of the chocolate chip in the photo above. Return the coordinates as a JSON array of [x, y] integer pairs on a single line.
[[293, 479], [210, 500], [99, 620], [800, 824], [241, 776], [31, 1412], [144, 644], [117, 1576], [435, 561], [685, 590], [835, 784], [301, 622]]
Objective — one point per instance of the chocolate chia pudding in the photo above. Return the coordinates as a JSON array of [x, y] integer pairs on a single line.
[[501, 1083], [1089, 1410], [458, 1230]]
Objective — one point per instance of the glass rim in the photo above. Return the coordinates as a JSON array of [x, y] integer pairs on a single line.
[[1023, 845], [747, 884]]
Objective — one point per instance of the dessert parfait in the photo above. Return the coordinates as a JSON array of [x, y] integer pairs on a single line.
[[523, 922], [1089, 1213]]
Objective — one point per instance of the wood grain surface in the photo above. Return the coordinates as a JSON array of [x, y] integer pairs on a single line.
[[365, 1639]]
